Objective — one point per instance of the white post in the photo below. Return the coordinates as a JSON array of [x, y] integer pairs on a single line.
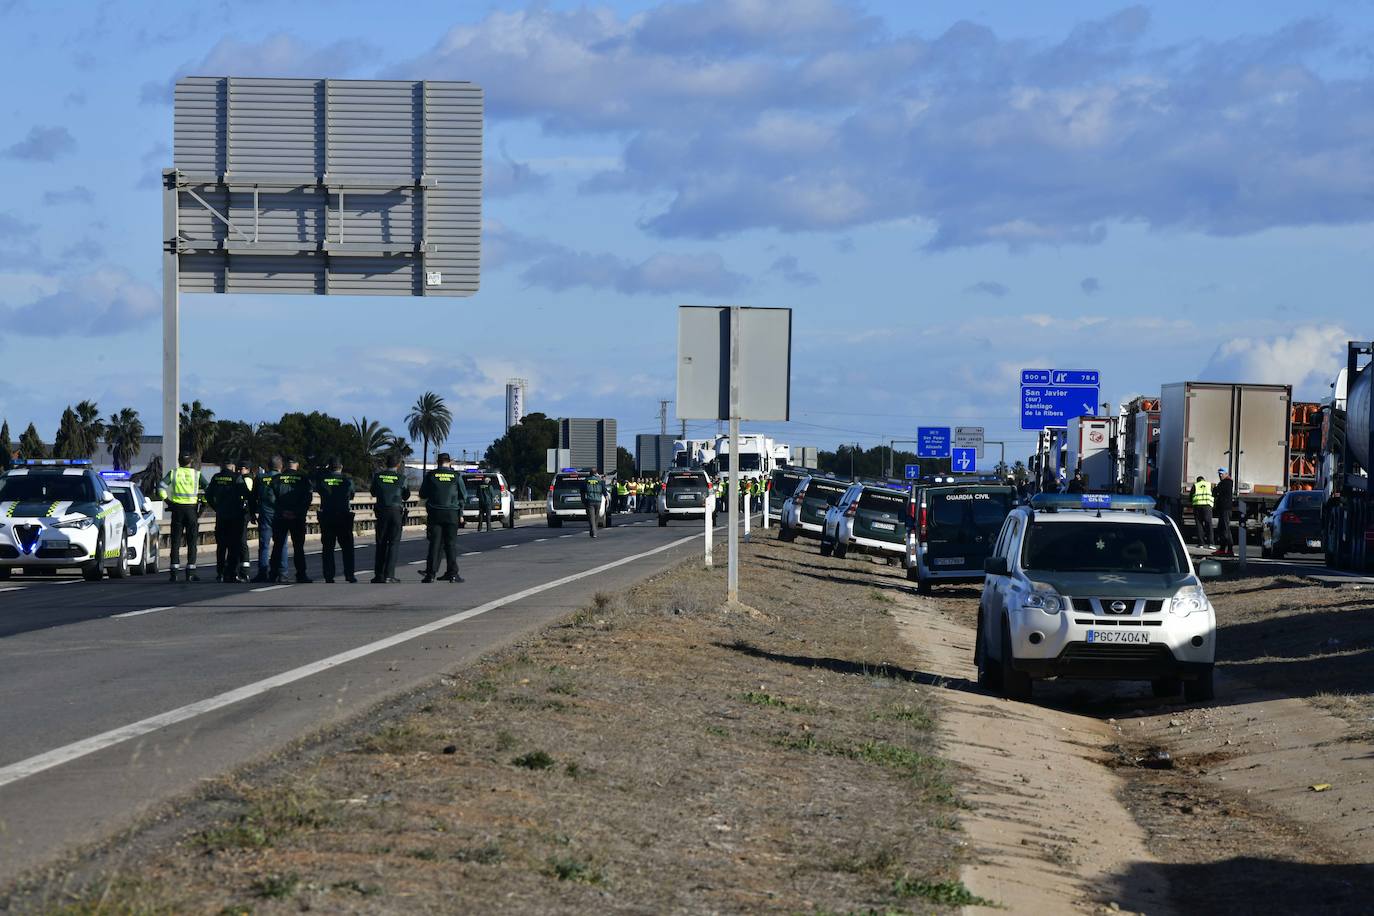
[[765, 507], [748, 511], [732, 498], [171, 323], [710, 538]]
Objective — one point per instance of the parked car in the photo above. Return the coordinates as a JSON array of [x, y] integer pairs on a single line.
[[1295, 525], [868, 519], [565, 498], [782, 483], [951, 531], [804, 511], [1095, 586], [142, 523], [502, 510], [685, 495]]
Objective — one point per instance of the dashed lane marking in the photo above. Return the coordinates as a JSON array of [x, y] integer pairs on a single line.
[[506, 546], [471, 553], [151, 610], [271, 588]]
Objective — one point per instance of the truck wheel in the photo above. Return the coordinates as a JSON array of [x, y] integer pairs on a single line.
[[1016, 685], [1201, 689], [1166, 687]]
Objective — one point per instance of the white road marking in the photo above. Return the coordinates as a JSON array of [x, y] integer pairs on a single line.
[[471, 553], [565, 535], [13, 588], [151, 610], [540, 540], [416, 562], [505, 547], [78, 749], [271, 588]]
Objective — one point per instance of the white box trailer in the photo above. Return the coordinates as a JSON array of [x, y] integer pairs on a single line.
[[1090, 451], [1245, 428]]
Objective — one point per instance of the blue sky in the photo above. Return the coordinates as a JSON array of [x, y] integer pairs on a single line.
[[944, 193]]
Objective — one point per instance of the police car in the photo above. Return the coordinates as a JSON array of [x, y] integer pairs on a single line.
[[565, 497], [685, 495], [869, 518], [57, 514], [1095, 586], [804, 511], [952, 530], [141, 522], [503, 510]]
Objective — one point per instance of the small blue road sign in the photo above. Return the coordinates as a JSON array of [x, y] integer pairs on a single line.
[[932, 442], [964, 460], [913, 472]]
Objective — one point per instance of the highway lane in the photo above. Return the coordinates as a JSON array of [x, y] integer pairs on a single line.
[[87, 672]]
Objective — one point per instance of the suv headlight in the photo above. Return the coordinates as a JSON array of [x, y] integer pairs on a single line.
[[1188, 601], [83, 522], [1046, 600]]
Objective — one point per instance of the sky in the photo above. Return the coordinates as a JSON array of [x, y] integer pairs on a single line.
[[944, 194]]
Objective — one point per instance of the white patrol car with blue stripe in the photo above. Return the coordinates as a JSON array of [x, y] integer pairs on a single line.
[[58, 514], [142, 525]]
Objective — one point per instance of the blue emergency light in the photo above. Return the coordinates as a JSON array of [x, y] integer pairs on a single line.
[[1054, 501], [56, 462], [115, 475]]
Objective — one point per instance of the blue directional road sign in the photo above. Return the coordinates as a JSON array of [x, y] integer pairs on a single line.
[[1086, 378], [964, 460], [1035, 377], [913, 472], [932, 442], [1048, 405]]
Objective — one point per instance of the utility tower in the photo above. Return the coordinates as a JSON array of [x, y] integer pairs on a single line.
[[663, 417]]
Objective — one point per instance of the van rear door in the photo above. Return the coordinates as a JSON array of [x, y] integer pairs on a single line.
[[961, 525]]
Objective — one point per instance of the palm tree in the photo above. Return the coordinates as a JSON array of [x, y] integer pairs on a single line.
[[398, 446], [372, 436], [92, 430], [253, 442], [197, 428], [430, 421], [123, 436]]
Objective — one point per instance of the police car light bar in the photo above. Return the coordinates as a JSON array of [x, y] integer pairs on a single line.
[[115, 475], [55, 462], [1053, 501]]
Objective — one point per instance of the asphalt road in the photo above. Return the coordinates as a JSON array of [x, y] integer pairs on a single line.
[[120, 695]]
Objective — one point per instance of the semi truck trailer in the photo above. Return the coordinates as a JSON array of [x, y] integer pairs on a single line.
[[1204, 426], [1347, 443]]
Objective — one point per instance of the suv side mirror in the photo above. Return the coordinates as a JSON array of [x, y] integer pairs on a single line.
[[1209, 569], [996, 566]]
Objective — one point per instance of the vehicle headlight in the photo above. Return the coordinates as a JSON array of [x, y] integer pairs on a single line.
[[1188, 601], [1045, 600], [79, 523]]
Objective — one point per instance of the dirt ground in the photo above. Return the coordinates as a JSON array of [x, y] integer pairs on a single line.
[[655, 753]]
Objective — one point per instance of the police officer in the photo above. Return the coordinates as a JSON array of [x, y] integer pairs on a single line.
[[291, 498], [444, 495], [265, 508], [246, 475], [591, 490], [1224, 499], [1202, 511], [391, 493], [484, 501], [228, 496], [184, 490], [336, 520]]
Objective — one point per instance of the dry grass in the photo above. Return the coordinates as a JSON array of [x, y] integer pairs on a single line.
[[653, 753]]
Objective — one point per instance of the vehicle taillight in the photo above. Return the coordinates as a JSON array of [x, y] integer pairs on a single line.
[[1290, 518], [852, 511], [550, 488], [922, 526]]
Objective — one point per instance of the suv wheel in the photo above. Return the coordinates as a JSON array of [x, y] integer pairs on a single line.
[[826, 547], [121, 568], [786, 534], [841, 550], [4, 573], [509, 520], [1201, 689], [555, 522], [1016, 685], [923, 586], [989, 670], [93, 570], [663, 521]]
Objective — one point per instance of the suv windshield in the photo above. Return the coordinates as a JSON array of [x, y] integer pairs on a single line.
[[747, 462], [52, 487], [687, 482], [1103, 547], [953, 512]]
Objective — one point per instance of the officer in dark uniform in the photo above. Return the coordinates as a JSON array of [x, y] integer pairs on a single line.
[[591, 500], [444, 495], [484, 500], [336, 519], [228, 496], [292, 495], [391, 493], [246, 475]]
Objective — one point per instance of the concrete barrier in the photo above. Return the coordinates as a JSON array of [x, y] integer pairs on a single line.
[[364, 520]]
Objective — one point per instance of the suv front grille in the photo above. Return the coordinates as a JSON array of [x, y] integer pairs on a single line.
[[1149, 652], [1133, 606]]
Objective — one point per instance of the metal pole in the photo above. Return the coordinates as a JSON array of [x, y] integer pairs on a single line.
[[1235, 478], [171, 323], [732, 497]]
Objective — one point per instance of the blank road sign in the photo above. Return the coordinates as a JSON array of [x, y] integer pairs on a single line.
[[703, 366], [963, 460], [321, 186], [932, 442]]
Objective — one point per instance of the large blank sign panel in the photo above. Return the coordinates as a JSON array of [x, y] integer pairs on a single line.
[[313, 186]]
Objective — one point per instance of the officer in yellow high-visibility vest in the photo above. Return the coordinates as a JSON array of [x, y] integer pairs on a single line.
[[1202, 511], [183, 488]]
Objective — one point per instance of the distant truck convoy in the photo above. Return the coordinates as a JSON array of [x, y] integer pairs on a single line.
[[1347, 422], [1209, 425], [1091, 452]]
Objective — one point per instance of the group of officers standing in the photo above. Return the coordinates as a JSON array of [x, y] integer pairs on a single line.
[[279, 499]]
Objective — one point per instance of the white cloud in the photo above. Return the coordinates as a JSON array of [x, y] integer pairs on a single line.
[[103, 302], [1308, 358]]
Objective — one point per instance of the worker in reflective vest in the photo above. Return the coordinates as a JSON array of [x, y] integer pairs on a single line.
[[183, 488], [1202, 510]]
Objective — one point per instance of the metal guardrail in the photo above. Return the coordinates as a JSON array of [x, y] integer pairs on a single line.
[[364, 519]]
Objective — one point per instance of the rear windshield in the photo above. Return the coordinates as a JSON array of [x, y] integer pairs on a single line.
[[1102, 547], [747, 462], [686, 481], [883, 501], [54, 487], [821, 489], [950, 513], [1306, 499], [567, 483], [784, 485]]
